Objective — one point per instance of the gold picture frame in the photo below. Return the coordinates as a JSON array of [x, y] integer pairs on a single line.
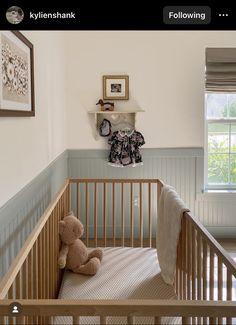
[[116, 87]]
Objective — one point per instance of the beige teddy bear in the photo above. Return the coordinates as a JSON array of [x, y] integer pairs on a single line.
[[74, 254]]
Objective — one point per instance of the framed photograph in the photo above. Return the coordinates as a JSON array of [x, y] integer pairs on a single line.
[[116, 87], [16, 75]]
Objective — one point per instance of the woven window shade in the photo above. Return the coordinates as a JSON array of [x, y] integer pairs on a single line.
[[221, 69]]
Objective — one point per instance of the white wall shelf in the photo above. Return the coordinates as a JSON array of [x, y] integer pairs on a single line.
[[117, 118]]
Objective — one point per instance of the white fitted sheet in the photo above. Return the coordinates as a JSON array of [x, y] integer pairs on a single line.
[[125, 273]]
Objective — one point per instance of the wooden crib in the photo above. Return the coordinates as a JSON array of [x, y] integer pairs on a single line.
[[205, 274]]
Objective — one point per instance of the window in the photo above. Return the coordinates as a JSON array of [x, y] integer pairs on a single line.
[[220, 157]]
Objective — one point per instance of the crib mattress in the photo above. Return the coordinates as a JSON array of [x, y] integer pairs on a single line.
[[126, 273]]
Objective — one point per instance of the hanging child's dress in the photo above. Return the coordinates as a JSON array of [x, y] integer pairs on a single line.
[[125, 148]]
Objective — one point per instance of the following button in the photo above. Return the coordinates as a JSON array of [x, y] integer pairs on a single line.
[[189, 15]]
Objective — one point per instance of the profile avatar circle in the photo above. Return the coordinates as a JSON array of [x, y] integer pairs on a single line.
[[15, 308], [14, 15]]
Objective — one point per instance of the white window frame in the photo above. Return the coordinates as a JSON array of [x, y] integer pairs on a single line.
[[230, 187]]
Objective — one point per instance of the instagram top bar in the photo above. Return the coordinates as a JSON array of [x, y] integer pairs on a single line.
[[116, 16]]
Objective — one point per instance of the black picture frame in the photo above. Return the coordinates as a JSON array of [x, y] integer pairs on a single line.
[[17, 95]]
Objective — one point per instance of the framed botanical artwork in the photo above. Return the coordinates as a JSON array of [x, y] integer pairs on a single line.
[[16, 75], [116, 87]]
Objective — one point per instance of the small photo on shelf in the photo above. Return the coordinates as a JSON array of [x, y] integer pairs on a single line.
[[116, 87]]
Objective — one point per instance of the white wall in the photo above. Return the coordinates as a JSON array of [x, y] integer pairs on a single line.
[[166, 71], [29, 144]]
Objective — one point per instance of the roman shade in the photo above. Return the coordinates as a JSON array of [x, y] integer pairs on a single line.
[[220, 69]]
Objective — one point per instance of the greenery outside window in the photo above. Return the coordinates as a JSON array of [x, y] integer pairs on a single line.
[[220, 141]]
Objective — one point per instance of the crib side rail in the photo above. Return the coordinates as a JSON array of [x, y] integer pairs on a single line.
[[34, 273], [204, 270], [117, 212], [129, 308]]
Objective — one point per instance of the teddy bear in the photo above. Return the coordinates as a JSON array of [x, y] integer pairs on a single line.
[[74, 254]]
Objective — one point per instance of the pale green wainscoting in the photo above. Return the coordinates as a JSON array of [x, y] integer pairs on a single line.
[[19, 215], [179, 167]]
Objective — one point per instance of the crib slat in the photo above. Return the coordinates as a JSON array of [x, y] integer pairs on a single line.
[[25, 280], [219, 284], [180, 266], [131, 320], [157, 320], [52, 259], [87, 213], [20, 320], [35, 282], [193, 269], [78, 199], [25, 284], [178, 270], [43, 263], [212, 319], [189, 257], [150, 214], [113, 214], [18, 285], [204, 271], [76, 320], [141, 214], [204, 275], [186, 320], [67, 196], [104, 215], [10, 296], [43, 269], [48, 275], [40, 271], [211, 274], [131, 216], [122, 215], [229, 293], [95, 215], [56, 248], [199, 271], [29, 280], [103, 320], [51, 255], [184, 257], [58, 244], [199, 266]]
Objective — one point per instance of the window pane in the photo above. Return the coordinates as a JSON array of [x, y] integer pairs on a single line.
[[232, 105], [233, 138], [216, 105], [218, 137], [233, 169], [218, 168]]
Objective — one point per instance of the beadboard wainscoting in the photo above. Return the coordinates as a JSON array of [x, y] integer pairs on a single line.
[[180, 167], [20, 214]]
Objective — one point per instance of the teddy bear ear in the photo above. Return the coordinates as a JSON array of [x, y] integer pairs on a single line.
[[62, 225]]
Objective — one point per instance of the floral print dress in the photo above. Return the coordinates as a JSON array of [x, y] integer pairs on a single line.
[[125, 148]]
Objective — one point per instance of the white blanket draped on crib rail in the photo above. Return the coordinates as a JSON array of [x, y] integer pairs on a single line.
[[170, 212]]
